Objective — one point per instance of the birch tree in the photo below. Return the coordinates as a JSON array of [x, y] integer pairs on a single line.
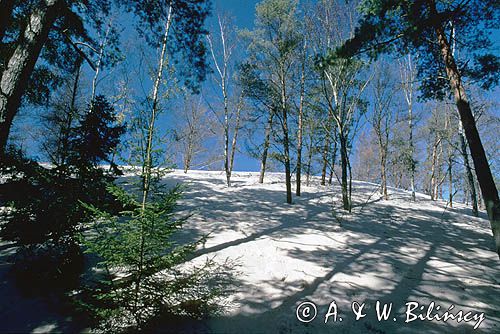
[[408, 77], [222, 54], [381, 118]]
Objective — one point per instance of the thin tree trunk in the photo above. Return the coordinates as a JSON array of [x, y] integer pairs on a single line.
[[437, 184], [433, 169], [412, 150], [187, 161], [332, 166], [235, 137], [267, 142], [481, 166], [286, 143], [325, 157], [468, 169], [344, 162], [350, 182], [407, 76], [383, 175], [16, 75], [69, 121], [450, 180], [308, 166], [300, 130], [226, 144], [223, 74], [102, 47], [147, 165]]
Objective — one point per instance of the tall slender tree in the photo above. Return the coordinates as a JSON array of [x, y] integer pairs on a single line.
[[275, 44], [222, 55]]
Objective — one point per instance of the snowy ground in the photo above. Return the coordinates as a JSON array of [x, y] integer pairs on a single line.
[[392, 251]]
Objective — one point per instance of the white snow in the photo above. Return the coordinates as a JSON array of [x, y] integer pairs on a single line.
[[394, 251]]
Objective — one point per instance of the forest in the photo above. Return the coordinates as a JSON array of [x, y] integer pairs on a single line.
[[217, 166]]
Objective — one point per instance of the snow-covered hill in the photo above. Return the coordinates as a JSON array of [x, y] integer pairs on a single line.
[[393, 251]]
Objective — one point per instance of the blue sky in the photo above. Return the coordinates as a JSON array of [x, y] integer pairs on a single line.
[[243, 12]]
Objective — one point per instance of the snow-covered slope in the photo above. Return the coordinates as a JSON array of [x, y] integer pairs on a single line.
[[393, 251]]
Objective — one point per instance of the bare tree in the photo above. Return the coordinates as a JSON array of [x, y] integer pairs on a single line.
[[408, 74], [382, 117], [192, 130], [221, 56]]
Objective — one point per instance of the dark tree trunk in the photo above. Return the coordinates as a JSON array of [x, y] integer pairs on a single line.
[[308, 166], [481, 166], [334, 158], [267, 141], [286, 141], [325, 158], [468, 170], [344, 161], [16, 75]]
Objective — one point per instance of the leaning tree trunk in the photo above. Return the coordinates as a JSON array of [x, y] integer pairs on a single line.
[[468, 169], [325, 156], [235, 138], [16, 75], [267, 142], [483, 171]]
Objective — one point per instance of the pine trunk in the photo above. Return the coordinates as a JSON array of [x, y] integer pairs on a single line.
[[481, 166], [16, 75]]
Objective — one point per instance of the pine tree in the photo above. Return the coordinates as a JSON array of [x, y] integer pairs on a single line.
[[424, 26], [45, 203]]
